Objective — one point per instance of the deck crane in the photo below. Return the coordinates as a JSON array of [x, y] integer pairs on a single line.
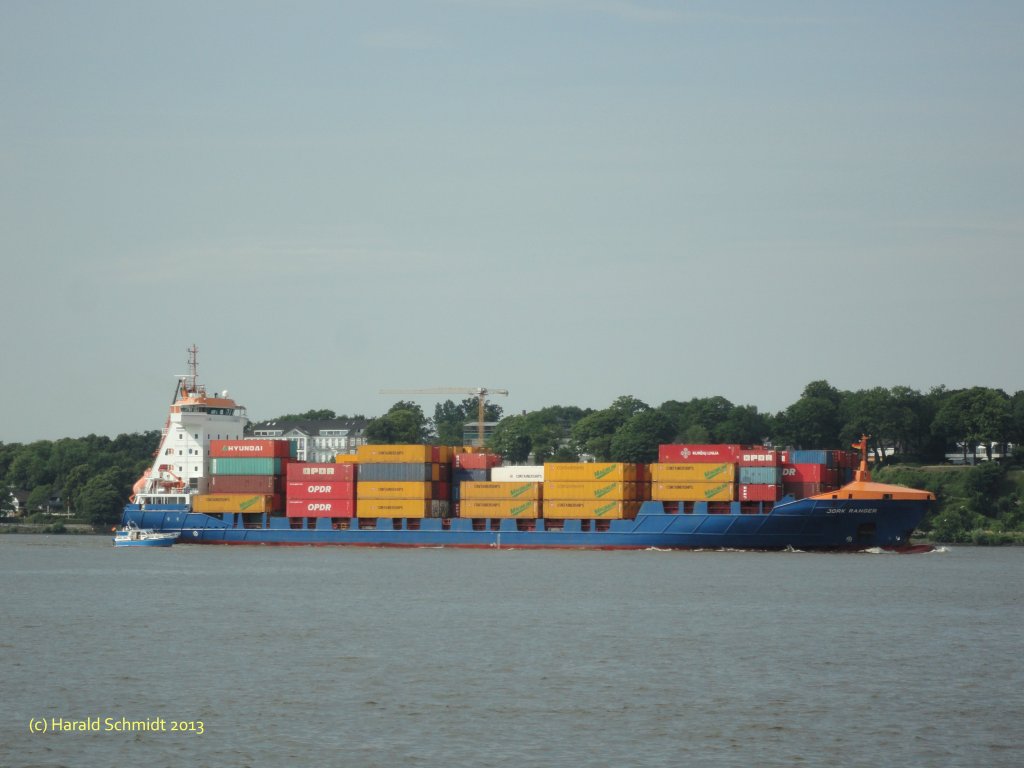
[[480, 393]]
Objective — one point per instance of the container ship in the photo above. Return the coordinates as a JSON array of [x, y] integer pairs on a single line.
[[211, 484]]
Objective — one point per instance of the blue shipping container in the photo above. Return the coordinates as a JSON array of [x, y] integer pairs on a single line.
[[810, 457], [761, 475], [394, 472]]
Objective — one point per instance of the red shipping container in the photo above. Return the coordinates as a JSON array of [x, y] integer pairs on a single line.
[[263, 484], [803, 473], [441, 491], [477, 460], [751, 492], [256, 449], [759, 457], [698, 454], [332, 472], [321, 489], [320, 508]]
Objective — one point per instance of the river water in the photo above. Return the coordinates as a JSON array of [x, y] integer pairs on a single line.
[[437, 657]]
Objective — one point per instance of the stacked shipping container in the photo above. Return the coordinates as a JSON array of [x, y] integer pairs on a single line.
[[695, 473], [594, 491], [760, 475], [321, 490], [247, 477], [403, 481]]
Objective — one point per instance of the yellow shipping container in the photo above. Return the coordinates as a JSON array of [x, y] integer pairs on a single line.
[[693, 491], [398, 454], [393, 490], [234, 502], [346, 458], [509, 491], [590, 510], [395, 508], [610, 491], [693, 473], [499, 508], [591, 472]]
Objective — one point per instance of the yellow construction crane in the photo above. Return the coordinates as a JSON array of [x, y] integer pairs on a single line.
[[480, 393]]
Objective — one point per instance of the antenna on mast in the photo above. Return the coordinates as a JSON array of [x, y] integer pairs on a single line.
[[193, 366]]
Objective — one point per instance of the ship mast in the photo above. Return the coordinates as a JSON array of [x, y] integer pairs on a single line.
[[863, 474], [188, 385]]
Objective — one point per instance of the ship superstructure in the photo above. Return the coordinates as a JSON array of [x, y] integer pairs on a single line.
[[181, 465]]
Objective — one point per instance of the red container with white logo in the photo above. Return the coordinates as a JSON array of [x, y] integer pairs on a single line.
[[321, 489], [320, 508], [760, 492], [698, 454], [803, 473], [759, 457], [332, 472], [250, 449]]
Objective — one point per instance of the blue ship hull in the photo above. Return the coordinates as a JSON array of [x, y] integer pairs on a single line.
[[808, 524]]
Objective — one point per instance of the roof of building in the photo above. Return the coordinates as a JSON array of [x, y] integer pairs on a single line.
[[309, 427]]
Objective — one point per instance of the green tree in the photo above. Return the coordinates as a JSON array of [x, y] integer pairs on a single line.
[[404, 423], [102, 498], [511, 438], [743, 425], [593, 433], [450, 418], [637, 440], [975, 416], [314, 414], [544, 434], [813, 420], [38, 497]]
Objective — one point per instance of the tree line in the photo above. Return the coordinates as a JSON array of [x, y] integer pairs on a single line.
[[901, 422], [92, 476]]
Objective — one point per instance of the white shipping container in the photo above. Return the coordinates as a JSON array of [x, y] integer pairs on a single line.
[[528, 474]]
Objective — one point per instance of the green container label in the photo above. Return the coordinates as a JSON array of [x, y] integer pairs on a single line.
[[715, 491], [606, 508], [521, 508], [248, 503], [516, 492], [600, 492], [606, 471], [712, 473]]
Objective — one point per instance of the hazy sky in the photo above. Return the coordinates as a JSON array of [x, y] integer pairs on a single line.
[[573, 200]]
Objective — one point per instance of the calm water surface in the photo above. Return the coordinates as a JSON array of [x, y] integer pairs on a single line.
[[434, 657]]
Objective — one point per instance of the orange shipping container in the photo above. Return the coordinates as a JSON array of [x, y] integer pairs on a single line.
[[590, 472], [509, 491], [499, 508], [236, 502], [693, 473], [397, 454], [590, 510], [397, 508], [693, 491], [569, 490], [393, 490]]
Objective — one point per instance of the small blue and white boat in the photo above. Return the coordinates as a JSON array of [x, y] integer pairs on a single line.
[[133, 536]]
